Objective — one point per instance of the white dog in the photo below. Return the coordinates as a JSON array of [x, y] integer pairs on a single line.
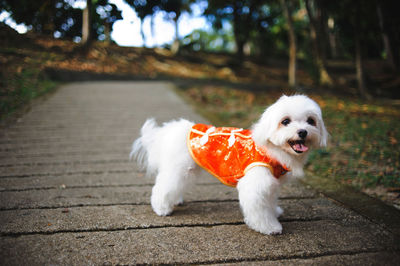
[[286, 132]]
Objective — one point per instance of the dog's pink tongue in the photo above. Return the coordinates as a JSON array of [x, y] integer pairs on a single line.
[[300, 147]]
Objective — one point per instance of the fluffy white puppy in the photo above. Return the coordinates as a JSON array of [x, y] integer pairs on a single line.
[[288, 130]]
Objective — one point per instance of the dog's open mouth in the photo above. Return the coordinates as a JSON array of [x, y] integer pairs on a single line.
[[298, 145]]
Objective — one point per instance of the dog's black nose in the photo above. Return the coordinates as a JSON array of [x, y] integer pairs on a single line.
[[302, 133]]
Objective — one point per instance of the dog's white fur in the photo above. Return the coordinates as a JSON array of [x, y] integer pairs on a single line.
[[163, 152]]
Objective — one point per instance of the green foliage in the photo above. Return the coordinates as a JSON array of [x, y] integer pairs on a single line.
[[200, 40], [22, 87], [257, 26], [58, 18], [365, 144], [250, 20]]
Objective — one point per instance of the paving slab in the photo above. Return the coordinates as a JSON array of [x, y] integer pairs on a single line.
[[84, 196], [70, 195], [117, 178], [200, 244], [85, 155], [25, 170], [120, 217], [368, 258]]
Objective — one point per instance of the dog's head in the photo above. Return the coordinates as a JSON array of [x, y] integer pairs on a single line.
[[294, 124]]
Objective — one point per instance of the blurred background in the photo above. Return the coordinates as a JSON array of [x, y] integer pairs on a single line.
[[230, 59]]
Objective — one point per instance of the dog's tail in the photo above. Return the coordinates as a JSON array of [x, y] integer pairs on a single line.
[[142, 145]]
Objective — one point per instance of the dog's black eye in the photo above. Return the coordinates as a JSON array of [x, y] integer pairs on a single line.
[[311, 121], [285, 122]]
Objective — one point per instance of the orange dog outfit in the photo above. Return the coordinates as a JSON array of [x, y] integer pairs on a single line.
[[228, 153]]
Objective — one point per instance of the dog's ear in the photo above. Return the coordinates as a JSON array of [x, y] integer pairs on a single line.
[[265, 127], [324, 134]]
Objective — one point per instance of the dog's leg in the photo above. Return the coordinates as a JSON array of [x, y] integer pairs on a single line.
[[258, 192], [168, 155], [168, 191]]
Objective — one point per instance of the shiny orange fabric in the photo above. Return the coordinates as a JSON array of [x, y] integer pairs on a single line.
[[229, 155]]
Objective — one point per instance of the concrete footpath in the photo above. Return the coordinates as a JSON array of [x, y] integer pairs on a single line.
[[70, 195]]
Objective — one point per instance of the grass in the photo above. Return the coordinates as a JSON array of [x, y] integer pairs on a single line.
[[364, 146], [22, 80], [21, 89]]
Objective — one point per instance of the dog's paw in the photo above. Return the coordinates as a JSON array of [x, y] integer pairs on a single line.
[[271, 230], [162, 210], [180, 201], [269, 227], [278, 211], [275, 231], [161, 207]]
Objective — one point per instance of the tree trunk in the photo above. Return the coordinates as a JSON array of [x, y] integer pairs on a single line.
[[239, 48], [107, 32], [322, 19], [238, 32], [332, 38], [385, 38], [362, 88], [142, 32], [176, 45], [87, 24], [324, 77], [292, 44], [153, 30]]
